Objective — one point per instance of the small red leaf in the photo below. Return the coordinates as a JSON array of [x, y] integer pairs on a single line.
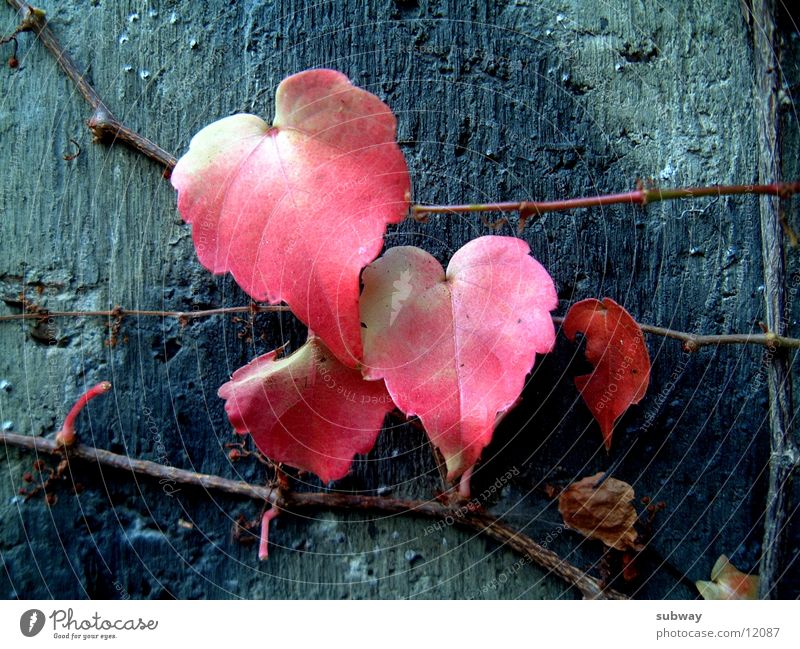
[[454, 348], [615, 346], [295, 211], [307, 410]]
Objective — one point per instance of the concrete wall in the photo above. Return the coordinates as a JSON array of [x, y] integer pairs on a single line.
[[502, 100]]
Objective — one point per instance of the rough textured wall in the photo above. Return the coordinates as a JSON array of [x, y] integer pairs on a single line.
[[525, 100], [789, 132]]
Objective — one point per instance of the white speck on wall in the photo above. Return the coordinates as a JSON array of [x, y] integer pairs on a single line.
[[356, 570], [324, 525], [667, 172]]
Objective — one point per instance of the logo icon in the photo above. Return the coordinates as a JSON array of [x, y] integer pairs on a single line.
[[31, 622]]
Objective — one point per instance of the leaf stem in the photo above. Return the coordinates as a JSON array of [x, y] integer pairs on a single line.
[[66, 436], [693, 342], [641, 196], [108, 129], [263, 550], [482, 523]]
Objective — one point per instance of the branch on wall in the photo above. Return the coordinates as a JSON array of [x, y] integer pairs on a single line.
[[784, 456], [480, 522]]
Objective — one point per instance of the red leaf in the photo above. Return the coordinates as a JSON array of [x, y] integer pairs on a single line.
[[307, 410], [455, 348], [296, 210], [615, 346]]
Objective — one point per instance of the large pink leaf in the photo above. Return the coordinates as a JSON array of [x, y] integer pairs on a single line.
[[307, 410], [295, 211], [455, 348]]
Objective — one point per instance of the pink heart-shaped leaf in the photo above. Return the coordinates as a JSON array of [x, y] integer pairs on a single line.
[[295, 211], [307, 410], [454, 348]]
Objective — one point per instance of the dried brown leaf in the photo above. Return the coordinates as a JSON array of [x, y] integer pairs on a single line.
[[605, 513], [727, 582]]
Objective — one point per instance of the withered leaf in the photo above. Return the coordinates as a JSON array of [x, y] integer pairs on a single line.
[[605, 513], [727, 582]]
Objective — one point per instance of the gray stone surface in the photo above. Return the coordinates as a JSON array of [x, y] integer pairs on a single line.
[[497, 100]]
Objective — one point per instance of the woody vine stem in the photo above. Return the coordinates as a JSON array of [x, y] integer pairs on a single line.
[[108, 129], [483, 523]]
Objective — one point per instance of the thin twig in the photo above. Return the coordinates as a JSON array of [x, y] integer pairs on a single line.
[[784, 454], [108, 129], [691, 342], [119, 312], [103, 124], [641, 196], [482, 523]]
